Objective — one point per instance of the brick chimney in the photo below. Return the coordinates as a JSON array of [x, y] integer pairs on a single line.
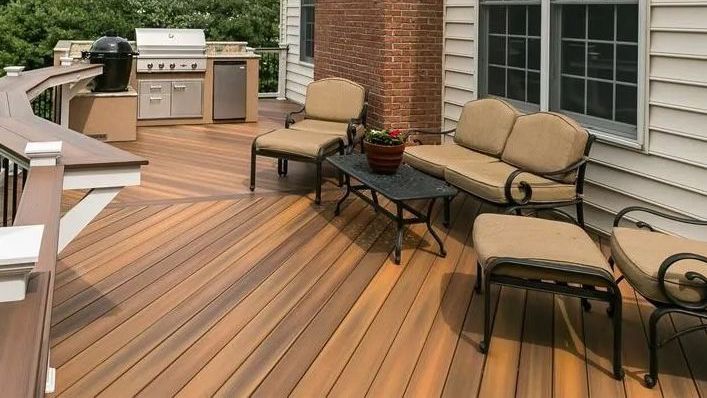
[[393, 48]]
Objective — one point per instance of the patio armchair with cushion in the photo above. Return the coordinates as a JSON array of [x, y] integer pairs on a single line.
[[334, 115], [333, 106], [668, 271], [518, 162]]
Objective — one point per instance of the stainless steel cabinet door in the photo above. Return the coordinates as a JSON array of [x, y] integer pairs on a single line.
[[153, 106], [155, 87], [230, 81], [187, 98]]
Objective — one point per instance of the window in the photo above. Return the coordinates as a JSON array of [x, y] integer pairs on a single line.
[[307, 31], [597, 58], [512, 53], [593, 51]]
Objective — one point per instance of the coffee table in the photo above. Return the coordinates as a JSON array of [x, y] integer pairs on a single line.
[[406, 185]]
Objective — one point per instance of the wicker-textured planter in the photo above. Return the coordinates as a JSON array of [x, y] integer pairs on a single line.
[[384, 159]]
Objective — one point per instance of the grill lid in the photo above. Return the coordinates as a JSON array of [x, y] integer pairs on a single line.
[[170, 42], [111, 44]]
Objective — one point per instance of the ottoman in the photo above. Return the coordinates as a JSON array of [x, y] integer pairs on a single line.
[[297, 145], [543, 255]]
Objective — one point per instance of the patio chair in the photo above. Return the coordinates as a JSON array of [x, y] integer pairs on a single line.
[[333, 106], [543, 255], [666, 270], [334, 115]]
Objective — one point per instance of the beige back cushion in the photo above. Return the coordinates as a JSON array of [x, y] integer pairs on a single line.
[[485, 124], [546, 142], [334, 99]]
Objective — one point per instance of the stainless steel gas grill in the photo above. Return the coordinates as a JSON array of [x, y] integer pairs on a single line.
[[170, 50]]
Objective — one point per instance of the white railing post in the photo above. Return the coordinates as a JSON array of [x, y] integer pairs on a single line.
[[19, 251], [282, 73], [14, 71], [43, 153]]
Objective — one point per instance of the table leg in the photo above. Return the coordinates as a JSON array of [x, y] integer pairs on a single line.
[[374, 195], [400, 233], [347, 179], [428, 221], [447, 211]]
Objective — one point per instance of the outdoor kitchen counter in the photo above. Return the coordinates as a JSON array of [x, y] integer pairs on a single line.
[[215, 52]]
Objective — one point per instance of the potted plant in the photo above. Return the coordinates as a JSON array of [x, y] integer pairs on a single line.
[[384, 150]]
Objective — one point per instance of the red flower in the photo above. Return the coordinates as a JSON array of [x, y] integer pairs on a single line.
[[395, 133]]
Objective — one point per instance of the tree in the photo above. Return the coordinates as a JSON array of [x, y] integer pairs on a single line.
[[29, 29]]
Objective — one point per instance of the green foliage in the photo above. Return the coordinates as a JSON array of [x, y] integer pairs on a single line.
[[29, 29], [385, 137]]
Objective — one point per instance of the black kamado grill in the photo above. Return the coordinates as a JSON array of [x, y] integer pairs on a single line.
[[116, 55]]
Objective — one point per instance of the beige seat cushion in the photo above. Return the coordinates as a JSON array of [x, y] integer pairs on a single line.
[[322, 126], [487, 181], [433, 159], [546, 142], [519, 237], [639, 254], [303, 143], [334, 99], [485, 124]]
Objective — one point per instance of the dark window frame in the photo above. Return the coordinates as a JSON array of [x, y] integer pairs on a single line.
[[609, 126], [484, 61], [307, 20]]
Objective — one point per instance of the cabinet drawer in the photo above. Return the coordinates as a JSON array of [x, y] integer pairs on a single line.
[[187, 98], [154, 106], [155, 87]]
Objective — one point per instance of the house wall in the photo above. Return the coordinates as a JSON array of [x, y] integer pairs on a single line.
[[299, 74], [392, 47], [670, 171]]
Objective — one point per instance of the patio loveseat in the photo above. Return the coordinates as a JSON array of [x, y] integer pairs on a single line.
[[535, 161]]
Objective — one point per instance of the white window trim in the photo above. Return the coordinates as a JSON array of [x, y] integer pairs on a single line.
[[641, 140]]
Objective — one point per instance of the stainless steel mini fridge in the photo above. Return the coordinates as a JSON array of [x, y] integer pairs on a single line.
[[230, 79]]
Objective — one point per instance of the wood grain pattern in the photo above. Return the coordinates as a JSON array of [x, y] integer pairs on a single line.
[[191, 286]]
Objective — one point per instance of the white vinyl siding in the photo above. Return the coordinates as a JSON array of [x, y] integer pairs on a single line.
[[460, 61], [667, 168], [299, 74]]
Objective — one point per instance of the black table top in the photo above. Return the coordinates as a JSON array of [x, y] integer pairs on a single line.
[[406, 184]]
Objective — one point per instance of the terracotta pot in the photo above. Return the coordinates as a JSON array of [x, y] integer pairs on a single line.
[[384, 159]]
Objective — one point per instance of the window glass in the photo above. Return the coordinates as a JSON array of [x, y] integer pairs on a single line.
[[512, 59], [598, 56], [307, 31]]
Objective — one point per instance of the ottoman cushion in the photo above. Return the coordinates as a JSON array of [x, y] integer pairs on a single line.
[[303, 143], [557, 242]]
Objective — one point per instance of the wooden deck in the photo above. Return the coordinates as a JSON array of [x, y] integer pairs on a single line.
[[191, 286]]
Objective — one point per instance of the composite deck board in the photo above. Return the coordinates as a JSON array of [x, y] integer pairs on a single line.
[[190, 285]]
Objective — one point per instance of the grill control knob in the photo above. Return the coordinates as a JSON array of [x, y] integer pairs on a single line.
[[172, 66], [149, 66], [161, 66], [194, 65]]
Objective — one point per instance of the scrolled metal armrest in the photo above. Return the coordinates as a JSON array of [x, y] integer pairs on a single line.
[[412, 132], [641, 224], [524, 186], [351, 129], [690, 275], [290, 119], [431, 131]]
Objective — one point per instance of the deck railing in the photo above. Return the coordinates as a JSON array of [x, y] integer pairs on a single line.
[[272, 71], [33, 174]]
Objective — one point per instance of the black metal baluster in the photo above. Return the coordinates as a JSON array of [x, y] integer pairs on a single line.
[[5, 188], [14, 190]]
